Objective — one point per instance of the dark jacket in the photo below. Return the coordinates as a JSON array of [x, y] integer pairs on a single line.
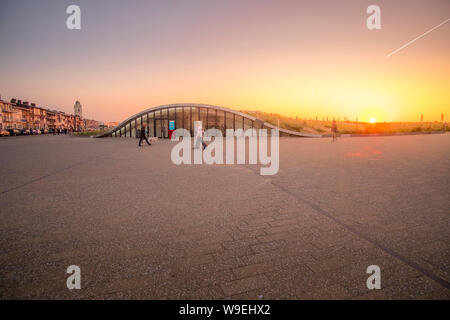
[[143, 134]]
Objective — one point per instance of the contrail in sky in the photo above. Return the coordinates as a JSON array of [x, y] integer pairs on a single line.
[[423, 34]]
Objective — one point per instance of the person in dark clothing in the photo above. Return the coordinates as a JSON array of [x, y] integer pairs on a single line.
[[203, 142], [199, 138], [334, 130], [144, 135]]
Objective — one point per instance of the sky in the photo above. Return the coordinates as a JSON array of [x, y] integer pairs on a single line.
[[295, 58]]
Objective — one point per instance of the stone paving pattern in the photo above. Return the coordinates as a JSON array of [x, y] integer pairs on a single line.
[[142, 228]]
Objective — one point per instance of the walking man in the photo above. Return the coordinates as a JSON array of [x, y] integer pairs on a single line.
[[198, 137], [144, 135], [334, 130], [203, 142]]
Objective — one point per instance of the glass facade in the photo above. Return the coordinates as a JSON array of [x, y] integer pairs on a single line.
[[172, 114], [179, 119], [229, 120], [151, 124], [221, 121], [195, 114], [184, 115], [204, 117], [212, 119], [238, 122]]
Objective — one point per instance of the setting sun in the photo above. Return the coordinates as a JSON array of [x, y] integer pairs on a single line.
[[372, 120]]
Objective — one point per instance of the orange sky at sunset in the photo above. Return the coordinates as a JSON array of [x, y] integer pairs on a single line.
[[296, 58]]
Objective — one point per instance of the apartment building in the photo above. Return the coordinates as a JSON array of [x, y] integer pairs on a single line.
[[18, 114]]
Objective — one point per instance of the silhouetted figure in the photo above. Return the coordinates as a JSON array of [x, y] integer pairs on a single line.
[[199, 138], [334, 130], [203, 142], [144, 135]]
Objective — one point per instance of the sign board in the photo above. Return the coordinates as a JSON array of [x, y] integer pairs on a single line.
[[171, 124]]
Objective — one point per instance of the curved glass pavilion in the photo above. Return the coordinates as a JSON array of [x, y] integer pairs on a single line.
[[183, 115]]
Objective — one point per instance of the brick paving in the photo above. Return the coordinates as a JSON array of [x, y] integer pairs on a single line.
[[142, 228]]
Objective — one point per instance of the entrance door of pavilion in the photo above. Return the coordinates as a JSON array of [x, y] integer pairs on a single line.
[[162, 128]]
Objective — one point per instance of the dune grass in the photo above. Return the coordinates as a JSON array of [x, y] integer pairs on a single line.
[[88, 133], [345, 127]]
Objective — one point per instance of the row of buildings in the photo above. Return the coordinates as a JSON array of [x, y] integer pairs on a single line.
[[18, 114]]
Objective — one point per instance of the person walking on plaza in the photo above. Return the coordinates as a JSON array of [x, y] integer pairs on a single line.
[[144, 135], [334, 130], [203, 142], [199, 138]]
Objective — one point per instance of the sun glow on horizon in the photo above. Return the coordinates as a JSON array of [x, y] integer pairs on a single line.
[[263, 60]]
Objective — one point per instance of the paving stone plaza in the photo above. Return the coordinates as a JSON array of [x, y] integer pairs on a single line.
[[140, 227]]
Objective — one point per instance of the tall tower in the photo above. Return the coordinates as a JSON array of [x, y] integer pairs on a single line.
[[78, 109]]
